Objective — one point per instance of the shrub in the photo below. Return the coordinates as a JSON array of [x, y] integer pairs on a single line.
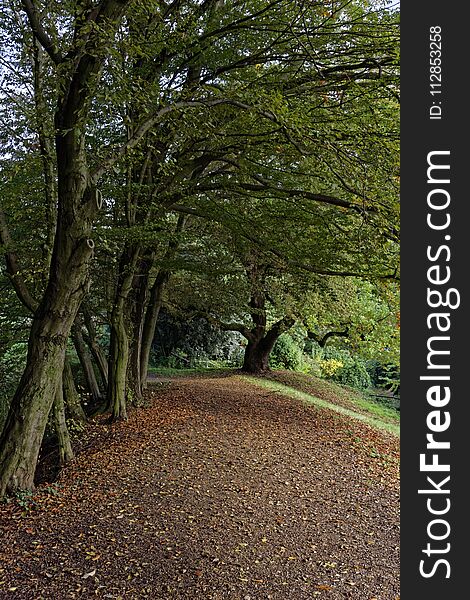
[[329, 366], [354, 375], [374, 369], [286, 354], [182, 344], [390, 378]]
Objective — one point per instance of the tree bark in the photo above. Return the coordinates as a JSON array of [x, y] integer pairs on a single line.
[[150, 323], [119, 341], [71, 398], [259, 347], [68, 274], [118, 359], [86, 364], [137, 304], [26, 421], [261, 340], [154, 303], [95, 348], [63, 437], [256, 358]]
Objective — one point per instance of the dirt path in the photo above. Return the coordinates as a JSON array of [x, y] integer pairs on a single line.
[[217, 490]]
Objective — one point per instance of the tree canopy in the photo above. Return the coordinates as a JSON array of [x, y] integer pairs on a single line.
[[235, 160]]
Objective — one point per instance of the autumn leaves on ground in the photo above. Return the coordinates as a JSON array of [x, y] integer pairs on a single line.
[[216, 489]]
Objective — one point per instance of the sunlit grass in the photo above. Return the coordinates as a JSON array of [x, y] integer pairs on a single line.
[[374, 418]]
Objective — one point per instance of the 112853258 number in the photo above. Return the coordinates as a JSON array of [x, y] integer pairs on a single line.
[[435, 60]]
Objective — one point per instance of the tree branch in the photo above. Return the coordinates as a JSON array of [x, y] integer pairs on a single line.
[[147, 125], [321, 341], [279, 328], [253, 187], [243, 329], [40, 33]]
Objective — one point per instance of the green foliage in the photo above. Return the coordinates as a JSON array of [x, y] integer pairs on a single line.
[[286, 354], [344, 367], [275, 141], [25, 500], [374, 369], [354, 375], [11, 367], [390, 378], [183, 344]]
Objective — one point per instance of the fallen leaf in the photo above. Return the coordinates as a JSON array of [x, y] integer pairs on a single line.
[[90, 574]]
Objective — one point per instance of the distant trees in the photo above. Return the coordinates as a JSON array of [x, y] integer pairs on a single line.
[[152, 146]]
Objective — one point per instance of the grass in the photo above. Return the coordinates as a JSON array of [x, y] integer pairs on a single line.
[[174, 372], [336, 394], [371, 413], [377, 408]]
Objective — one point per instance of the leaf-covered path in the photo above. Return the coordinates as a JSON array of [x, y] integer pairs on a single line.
[[217, 490]]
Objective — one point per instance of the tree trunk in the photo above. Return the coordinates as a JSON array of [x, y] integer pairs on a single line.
[[256, 358], [26, 421], [155, 302], [134, 382], [137, 304], [68, 274], [119, 341], [86, 364], [63, 437], [68, 282], [118, 360], [258, 349], [71, 398], [260, 340], [150, 323], [95, 348]]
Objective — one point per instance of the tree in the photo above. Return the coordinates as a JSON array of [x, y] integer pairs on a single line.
[[139, 114], [78, 72]]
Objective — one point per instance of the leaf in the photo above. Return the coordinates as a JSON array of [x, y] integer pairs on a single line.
[[90, 574]]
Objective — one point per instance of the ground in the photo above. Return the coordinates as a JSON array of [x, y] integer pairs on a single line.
[[218, 489]]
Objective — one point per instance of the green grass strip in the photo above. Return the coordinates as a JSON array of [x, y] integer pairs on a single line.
[[293, 393], [175, 372]]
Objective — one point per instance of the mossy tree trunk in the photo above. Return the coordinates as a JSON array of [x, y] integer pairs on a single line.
[[86, 364], [137, 304], [150, 323], [26, 421], [155, 300], [78, 74], [118, 359], [119, 341], [95, 347], [63, 437], [71, 397]]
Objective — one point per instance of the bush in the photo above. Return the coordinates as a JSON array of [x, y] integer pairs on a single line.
[[340, 365], [187, 344], [354, 375], [390, 378], [329, 366], [374, 369], [286, 354]]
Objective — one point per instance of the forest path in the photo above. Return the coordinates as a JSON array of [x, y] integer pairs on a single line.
[[217, 490]]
